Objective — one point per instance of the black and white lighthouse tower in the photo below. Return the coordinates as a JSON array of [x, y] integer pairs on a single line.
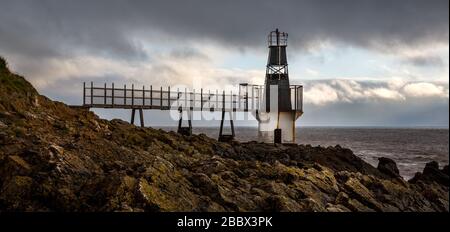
[[277, 72], [277, 115]]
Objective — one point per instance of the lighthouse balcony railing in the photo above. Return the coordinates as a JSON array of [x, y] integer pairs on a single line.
[[254, 96]]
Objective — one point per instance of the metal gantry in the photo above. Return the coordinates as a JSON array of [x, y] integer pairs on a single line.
[[248, 98]]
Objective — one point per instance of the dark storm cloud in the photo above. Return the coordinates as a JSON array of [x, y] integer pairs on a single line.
[[430, 61], [63, 28]]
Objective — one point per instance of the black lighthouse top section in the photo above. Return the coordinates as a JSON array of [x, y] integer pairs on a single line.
[[277, 71], [277, 50], [277, 38]]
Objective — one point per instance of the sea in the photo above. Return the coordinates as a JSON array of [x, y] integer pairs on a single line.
[[410, 148]]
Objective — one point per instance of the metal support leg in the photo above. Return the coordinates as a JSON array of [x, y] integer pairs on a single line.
[[187, 131], [232, 125], [180, 121], [141, 116], [133, 112], [221, 124], [190, 121], [222, 137]]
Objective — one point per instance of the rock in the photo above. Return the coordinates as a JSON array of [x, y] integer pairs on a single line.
[[281, 204], [3, 125], [16, 193], [56, 149], [431, 173], [14, 165], [341, 198], [3, 137], [336, 208], [21, 164], [154, 198], [356, 206], [204, 183], [388, 167], [430, 167], [30, 115], [323, 180], [35, 101], [124, 195], [361, 194]]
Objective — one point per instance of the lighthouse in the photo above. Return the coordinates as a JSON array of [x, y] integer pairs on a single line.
[[279, 110], [276, 105]]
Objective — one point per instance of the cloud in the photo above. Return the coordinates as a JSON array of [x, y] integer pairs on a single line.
[[425, 112], [105, 35], [320, 94], [425, 90], [121, 28], [433, 55], [312, 72], [384, 93], [433, 61], [178, 68], [325, 92], [399, 103]]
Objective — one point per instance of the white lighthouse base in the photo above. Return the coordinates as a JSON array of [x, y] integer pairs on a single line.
[[269, 121]]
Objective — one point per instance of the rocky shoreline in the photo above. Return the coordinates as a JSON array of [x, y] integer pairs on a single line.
[[57, 158]]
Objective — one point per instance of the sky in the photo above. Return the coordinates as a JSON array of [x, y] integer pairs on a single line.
[[362, 62]]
